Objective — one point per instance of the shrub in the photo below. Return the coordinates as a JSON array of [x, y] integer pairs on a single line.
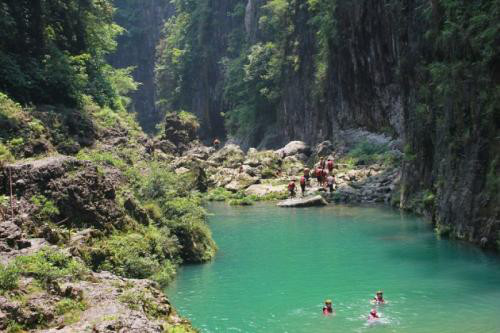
[[137, 299], [50, 264], [148, 252], [14, 327], [9, 277], [5, 155], [218, 194], [70, 309], [47, 208], [246, 201]]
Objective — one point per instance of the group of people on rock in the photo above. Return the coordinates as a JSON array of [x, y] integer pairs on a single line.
[[323, 172], [377, 300]]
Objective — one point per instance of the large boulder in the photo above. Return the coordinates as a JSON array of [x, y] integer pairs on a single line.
[[323, 149], [317, 200], [241, 182], [265, 189], [82, 194], [292, 166], [230, 156], [294, 148], [180, 132]]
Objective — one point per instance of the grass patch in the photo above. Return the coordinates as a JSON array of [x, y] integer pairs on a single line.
[[9, 278], [137, 299], [366, 152], [48, 265], [70, 310]]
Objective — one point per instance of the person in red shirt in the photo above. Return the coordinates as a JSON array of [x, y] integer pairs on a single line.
[[319, 175], [303, 184], [329, 165], [291, 188], [373, 314]]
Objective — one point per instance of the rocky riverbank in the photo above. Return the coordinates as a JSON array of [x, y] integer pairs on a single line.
[[231, 173]]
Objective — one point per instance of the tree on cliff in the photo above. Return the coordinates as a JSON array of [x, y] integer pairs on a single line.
[[53, 51]]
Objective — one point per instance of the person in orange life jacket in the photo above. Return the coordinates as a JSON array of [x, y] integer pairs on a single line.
[[303, 184], [328, 309], [318, 172], [373, 314], [291, 188], [329, 165], [379, 298], [330, 180]]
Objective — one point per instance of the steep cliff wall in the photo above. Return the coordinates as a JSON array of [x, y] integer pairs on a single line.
[[143, 21], [425, 72]]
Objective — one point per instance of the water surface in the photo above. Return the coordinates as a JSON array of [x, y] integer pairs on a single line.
[[275, 267]]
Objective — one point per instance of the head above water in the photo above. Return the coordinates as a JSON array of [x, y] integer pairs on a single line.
[[379, 293], [328, 302]]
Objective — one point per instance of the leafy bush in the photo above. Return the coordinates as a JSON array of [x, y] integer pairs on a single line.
[[148, 252], [241, 202], [366, 152], [49, 264], [137, 299], [9, 277], [47, 208], [70, 309], [219, 194], [5, 155]]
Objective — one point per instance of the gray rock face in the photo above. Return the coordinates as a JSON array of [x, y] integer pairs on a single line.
[[265, 189], [294, 148], [230, 156], [82, 194], [317, 200]]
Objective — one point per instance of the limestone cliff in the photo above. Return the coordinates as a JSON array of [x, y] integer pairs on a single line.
[[424, 72]]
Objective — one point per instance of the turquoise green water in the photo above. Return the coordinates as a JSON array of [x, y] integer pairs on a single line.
[[275, 267]]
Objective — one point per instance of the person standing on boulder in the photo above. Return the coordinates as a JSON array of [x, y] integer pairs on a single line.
[[324, 176], [307, 174], [216, 143], [329, 165], [319, 175], [303, 184], [291, 188], [322, 163], [330, 181]]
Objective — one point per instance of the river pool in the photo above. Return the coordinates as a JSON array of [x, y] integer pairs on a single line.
[[276, 266]]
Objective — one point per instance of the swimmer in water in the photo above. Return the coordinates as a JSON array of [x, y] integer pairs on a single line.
[[328, 309], [379, 298], [373, 315]]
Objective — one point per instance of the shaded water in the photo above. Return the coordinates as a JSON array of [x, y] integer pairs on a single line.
[[275, 267]]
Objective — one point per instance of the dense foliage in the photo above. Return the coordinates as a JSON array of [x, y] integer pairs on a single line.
[[52, 51]]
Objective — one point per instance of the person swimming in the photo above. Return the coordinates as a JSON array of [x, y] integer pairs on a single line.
[[328, 309], [373, 315], [379, 297]]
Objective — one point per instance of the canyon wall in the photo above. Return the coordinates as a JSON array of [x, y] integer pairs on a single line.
[[143, 21], [425, 72]]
